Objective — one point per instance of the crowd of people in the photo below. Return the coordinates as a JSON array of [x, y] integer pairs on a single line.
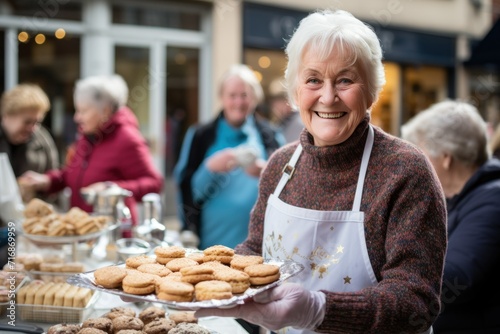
[[396, 234]]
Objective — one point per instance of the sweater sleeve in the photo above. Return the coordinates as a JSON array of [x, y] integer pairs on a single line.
[[406, 298]]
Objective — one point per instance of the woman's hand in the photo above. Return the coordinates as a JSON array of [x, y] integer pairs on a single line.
[[222, 161], [283, 306], [34, 181]]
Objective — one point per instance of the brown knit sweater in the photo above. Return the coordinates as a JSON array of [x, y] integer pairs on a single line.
[[405, 226]]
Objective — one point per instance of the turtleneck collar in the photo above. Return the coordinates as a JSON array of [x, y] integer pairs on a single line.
[[342, 156]]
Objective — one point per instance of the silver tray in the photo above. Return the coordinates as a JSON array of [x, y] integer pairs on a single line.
[[68, 239], [287, 269]]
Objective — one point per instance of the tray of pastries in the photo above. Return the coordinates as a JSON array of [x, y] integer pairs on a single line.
[[43, 225], [187, 279]]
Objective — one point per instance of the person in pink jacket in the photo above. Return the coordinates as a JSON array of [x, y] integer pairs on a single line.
[[110, 148]]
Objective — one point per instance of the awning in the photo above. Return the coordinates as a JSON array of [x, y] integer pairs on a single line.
[[487, 51]]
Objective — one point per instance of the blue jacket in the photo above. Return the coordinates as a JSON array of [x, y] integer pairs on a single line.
[[471, 284]]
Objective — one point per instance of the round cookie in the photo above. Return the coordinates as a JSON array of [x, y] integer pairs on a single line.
[[130, 331], [167, 254], [177, 264], [63, 329], [135, 261], [126, 322], [219, 253], [116, 312], [261, 274], [104, 324], [175, 291], [207, 290], [159, 326], [183, 316], [196, 274], [139, 284], [198, 257], [183, 328], [151, 313], [110, 277], [240, 262], [238, 280], [154, 269]]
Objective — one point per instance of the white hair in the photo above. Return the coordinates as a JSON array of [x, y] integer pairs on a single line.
[[244, 73], [102, 89], [451, 127], [327, 31]]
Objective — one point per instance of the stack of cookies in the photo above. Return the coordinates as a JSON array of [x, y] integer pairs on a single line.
[[53, 294], [217, 273], [41, 219]]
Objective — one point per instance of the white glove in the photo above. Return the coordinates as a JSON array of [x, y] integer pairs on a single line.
[[283, 306]]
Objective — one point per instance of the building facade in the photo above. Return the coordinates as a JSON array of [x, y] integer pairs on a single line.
[[171, 53]]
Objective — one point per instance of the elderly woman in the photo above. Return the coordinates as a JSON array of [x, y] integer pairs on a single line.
[[453, 135], [110, 148], [361, 210], [220, 162]]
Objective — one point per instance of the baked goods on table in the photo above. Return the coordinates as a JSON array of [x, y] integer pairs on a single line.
[[173, 276], [48, 267], [42, 219], [123, 320], [53, 294]]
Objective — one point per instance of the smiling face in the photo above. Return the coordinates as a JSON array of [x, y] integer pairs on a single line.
[[331, 96], [237, 101]]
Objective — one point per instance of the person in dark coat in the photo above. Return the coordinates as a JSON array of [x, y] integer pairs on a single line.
[[454, 137]]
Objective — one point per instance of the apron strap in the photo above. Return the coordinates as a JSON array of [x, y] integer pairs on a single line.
[[288, 171], [356, 206]]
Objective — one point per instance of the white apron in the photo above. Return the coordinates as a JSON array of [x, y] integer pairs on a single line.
[[330, 244]]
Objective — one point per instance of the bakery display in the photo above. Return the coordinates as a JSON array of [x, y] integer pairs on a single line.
[[42, 220]]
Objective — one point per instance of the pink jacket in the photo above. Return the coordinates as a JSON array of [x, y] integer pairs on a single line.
[[118, 153]]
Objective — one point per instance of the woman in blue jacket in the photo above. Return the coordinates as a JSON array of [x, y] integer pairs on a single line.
[[454, 137]]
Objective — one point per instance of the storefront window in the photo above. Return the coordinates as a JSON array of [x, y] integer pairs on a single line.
[[40, 11], [132, 63], [140, 15], [182, 103], [386, 111], [54, 64]]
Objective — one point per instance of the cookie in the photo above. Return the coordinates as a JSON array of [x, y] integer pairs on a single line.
[[135, 261], [207, 290], [104, 324], [240, 262], [177, 264], [175, 291], [119, 311], [63, 329], [159, 326], [166, 254], [196, 274], [184, 328], [139, 284], [126, 322], [37, 208], [154, 269], [198, 257], [130, 331], [238, 280], [151, 313], [219, 253], [261, 274], [110, 277], [183, 316]]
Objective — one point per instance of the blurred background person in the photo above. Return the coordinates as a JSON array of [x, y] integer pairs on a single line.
[[27, 143], [110, 149], [495, 142], [220, 162], [453, 135], [283, 116]]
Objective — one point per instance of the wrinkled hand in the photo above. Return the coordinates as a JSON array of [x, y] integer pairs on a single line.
[[283, 306], [222, 161], [34, 181]]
